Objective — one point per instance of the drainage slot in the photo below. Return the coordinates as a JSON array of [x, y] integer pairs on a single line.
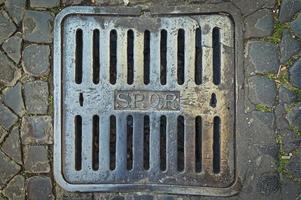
[[130, 58], [181, 56], [213, 100], [78, 142], [129, 137], [81, 99], [163, 61], [198, 57], [112, 142], [198, 144], [96, 63], [163, 143], [180, 144], [146, 138], [113, 56], [95, 150], [216, 144], [146, 58], [79, 57], [216, 44]]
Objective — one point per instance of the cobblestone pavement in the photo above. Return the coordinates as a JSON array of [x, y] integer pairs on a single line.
[[272, 65]]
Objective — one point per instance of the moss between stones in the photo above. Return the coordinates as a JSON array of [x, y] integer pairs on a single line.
[[263, 108], [277, 33]]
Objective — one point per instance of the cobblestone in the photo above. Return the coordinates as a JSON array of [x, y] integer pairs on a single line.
[[248, 7], [36, 97], [12, 97], [3, 134], [296, 26], [7, 118], [39, 188], [12, 147], [291, 140], [16, 9], [262, 90], [259, 24], [12, 46], [294, 117], [15, 189], [9, 74], [290, 190], [286, 96], [262, 57], [65, 195], [7, 27], [37, 26], [288, 9], [8, 169], [71, 2], [268, 183], [44, 3], [36, 159], [295, 74], [37, 130], [36, 60], [289, 46], [293, 166]]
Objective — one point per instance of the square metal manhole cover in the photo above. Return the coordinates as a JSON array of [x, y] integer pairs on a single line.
[[144, 101]]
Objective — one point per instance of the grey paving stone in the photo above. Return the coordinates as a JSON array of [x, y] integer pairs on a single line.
[[288, 9], [262, 57], [143, 197], [291, 140], [36, 60], [7, 118], [36, 159], [294, 116], [247, 7], [71, 2], [65, 195], [16, 9], [12, 146], [3, 134], [12, 97], [281, 121], [36, 97], [44, 3], [9, 74], [37, 130], [268, 183], [259, 24], [8, 169], [293, 166], [37, 26], [15, 189], [289, 46], [12, 46], [39, 188], [286, 96], [290, 190], [296, 26], [2, 1], [295, 74], [262, 90], [271, 150], [7, 27]]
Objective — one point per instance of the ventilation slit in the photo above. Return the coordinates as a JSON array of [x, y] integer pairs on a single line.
[[129, 142], [81, 99], [198, 57], [130, 56], [113, 56], [79, 57], [163, 51], [78, 142], [95, 156], [96, 64], [146, 58], [213, 100], [180, 143], [181, 56], [216, 56], [163, 143], [198, 144], [146, 138], [112, 142], [216, 144]]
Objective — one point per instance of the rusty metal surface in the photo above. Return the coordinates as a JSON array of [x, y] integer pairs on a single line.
[[105, 99]]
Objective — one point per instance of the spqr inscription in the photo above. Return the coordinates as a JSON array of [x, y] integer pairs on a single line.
[[147, 100]]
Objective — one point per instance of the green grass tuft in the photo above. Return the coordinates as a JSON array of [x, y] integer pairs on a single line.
[[263, 108]]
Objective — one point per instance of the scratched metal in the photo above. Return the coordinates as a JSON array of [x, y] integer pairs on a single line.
[[189, 100]]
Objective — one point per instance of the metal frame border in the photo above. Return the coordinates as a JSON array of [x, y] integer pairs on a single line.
[[221, 8]]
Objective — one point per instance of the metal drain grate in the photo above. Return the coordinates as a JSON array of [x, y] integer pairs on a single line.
[[144, 102]]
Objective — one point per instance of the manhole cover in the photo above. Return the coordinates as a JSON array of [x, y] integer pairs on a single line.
[[144, 101]]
